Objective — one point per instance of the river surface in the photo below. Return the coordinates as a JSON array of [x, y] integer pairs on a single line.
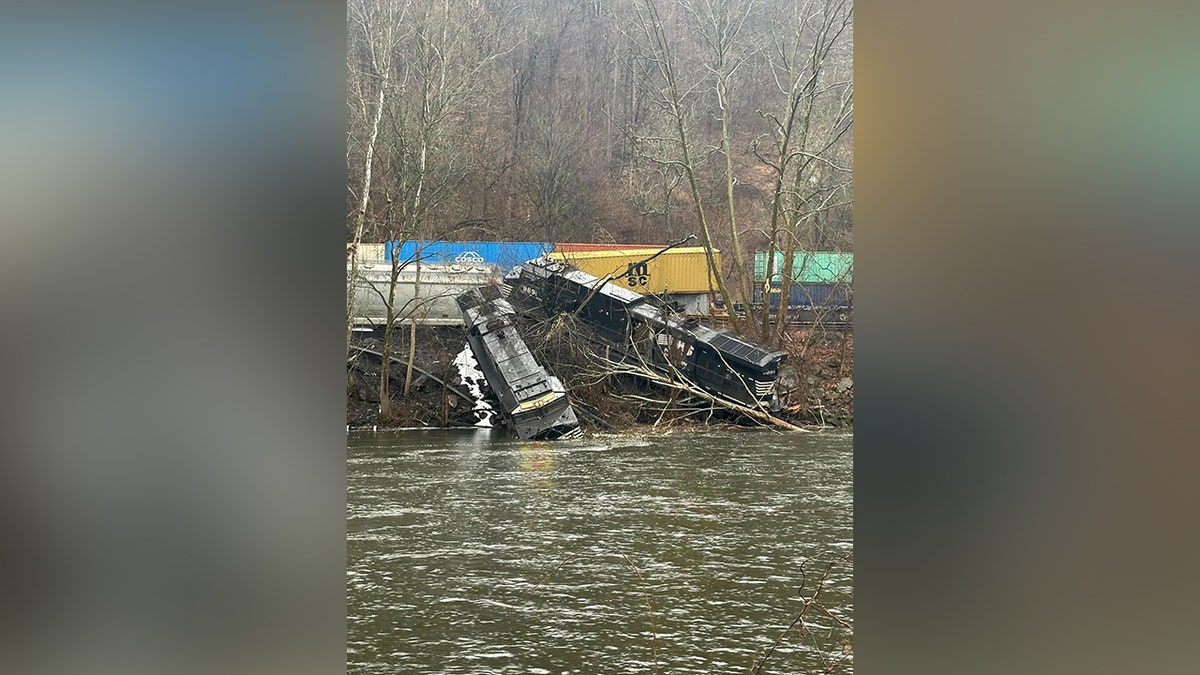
[[692, 552]]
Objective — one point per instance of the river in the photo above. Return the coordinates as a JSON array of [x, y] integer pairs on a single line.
[[692, 552]]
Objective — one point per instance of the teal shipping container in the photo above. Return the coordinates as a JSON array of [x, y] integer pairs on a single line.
[[809, 267]]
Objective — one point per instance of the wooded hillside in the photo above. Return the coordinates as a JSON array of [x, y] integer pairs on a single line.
[[635, 121]]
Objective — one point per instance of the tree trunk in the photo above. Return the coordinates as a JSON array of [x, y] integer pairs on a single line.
[[361, 213], [412, 322]]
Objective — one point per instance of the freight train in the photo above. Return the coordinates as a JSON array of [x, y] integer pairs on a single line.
[[718, 361], [533, 401], [821, 289]]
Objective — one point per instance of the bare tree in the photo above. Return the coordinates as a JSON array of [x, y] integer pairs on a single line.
[[372, 27], [672, 98], [554, 179], [436, 67], [720, 24], [813, 118]]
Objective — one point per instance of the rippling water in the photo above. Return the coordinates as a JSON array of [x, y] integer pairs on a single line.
[[469, 552]]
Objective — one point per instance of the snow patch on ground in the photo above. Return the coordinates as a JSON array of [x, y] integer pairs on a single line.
[[473, 379]]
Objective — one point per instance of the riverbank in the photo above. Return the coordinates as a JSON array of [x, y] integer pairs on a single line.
[[816, 386]]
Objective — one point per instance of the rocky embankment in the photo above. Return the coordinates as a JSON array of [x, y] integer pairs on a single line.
[[820, 378]]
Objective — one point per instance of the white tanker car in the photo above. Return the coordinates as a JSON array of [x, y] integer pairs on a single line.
[[425, 292]]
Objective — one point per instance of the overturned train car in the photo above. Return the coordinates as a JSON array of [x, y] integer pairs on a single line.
[[533, 401], [718, 361]]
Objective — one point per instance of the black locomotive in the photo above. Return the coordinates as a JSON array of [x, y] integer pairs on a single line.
[[534, 401], [718, 361]]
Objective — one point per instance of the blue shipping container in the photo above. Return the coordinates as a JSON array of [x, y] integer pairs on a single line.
[[807, 296], [504, 254]]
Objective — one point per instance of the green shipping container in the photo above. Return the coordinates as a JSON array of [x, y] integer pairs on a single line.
[[809, 267]]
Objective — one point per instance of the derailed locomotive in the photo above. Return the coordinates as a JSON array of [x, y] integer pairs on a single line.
[[718, 361], [534, 402]]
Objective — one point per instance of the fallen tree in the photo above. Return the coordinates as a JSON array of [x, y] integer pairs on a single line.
[[592, 370]]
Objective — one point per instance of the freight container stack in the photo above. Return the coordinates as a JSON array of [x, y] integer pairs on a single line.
[[680, 275], [506, 255], [820, 280]]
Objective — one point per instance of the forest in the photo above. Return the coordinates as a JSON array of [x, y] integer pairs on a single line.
[[629, 121]]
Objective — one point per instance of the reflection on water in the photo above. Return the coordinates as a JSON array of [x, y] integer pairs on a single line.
[[469, 552], [537, 463]]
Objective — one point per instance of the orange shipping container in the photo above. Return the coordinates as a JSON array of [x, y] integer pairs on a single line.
[[576, 247], [679, 270]]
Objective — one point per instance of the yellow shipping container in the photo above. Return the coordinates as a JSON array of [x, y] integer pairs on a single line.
[[679, 270]]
